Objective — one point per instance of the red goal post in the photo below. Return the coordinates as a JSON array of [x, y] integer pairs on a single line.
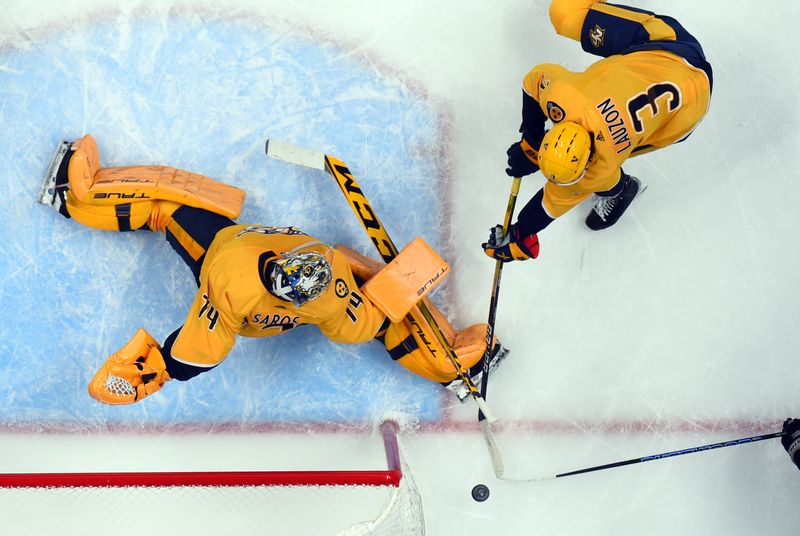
[[341, 503]]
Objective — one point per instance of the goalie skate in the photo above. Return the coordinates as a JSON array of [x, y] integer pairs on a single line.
[[459, 388], [55, 185]]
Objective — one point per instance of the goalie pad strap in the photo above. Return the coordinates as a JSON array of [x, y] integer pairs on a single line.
[[405, 347], [407, 344], [123, 217], [155, 215]]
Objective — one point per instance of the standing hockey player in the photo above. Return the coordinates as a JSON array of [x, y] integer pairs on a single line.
[[254, 280], [651, 90]]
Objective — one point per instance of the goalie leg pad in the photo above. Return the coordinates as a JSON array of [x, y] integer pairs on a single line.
[[498, 354], [413, 344], [91, 184], [155, 215], [470, 344], [120, 217], [132, 373]]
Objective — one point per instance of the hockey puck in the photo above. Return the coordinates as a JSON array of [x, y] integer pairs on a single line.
[[480, 492]]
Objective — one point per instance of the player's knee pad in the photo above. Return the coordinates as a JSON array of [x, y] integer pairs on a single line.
[[132, 373]]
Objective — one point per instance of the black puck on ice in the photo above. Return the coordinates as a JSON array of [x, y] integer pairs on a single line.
[[480, 492]]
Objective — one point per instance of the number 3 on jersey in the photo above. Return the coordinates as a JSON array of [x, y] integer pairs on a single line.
[[650, 98]]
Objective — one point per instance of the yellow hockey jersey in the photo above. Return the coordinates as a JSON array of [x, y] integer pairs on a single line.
[[651, 89], [629, 103], [233, 299]]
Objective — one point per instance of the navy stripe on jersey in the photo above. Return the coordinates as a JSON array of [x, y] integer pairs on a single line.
[[533, 120], [202, 226], [177, 370], [604, 35]]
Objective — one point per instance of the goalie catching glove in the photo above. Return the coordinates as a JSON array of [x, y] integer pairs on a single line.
[[511, 246], [135, 371]]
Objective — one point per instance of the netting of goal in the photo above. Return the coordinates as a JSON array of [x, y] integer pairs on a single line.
[[285, 503]]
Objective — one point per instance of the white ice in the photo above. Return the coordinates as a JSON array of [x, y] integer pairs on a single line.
[[673, 329]]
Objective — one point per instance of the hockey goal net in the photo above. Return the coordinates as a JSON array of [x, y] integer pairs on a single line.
[[285, 503]]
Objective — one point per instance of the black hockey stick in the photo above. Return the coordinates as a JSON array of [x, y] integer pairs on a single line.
[[712, 446], [498, 273], [497, 461]]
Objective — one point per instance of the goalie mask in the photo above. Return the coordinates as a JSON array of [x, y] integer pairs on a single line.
[[301, 275]]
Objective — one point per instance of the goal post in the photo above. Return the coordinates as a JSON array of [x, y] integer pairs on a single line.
[[381, 501]]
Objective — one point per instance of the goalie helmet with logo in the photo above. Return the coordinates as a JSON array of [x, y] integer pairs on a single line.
[[302, 274]]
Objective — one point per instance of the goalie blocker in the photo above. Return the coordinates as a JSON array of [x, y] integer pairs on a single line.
[[410, 340]]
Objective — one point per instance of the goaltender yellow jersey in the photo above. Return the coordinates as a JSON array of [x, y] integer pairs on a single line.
[[233, 297], [645, 94]]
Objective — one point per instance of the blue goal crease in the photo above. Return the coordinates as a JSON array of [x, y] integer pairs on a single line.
[[202, 99]]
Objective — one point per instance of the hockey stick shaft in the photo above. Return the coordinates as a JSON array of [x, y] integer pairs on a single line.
[[494, 451], [383, 243], [498, 273], [671, 454]]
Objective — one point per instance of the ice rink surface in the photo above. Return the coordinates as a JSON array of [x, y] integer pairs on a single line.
[[675, 328]]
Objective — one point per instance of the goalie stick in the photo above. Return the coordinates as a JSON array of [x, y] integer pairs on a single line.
[[360, 205]]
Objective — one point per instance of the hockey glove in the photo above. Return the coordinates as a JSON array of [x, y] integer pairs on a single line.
[[791, 439], [135, 371], [511, 247], [523, 158]]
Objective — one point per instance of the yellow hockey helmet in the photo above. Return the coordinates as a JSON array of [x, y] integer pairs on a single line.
[[564, 153]]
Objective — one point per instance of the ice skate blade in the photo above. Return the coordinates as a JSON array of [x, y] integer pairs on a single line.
[[47, 193]]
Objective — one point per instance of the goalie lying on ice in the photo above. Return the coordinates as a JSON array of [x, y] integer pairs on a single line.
[[253, 280]]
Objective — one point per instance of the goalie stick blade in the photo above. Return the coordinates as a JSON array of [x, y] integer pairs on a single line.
[[280, 150], [47, 192]]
